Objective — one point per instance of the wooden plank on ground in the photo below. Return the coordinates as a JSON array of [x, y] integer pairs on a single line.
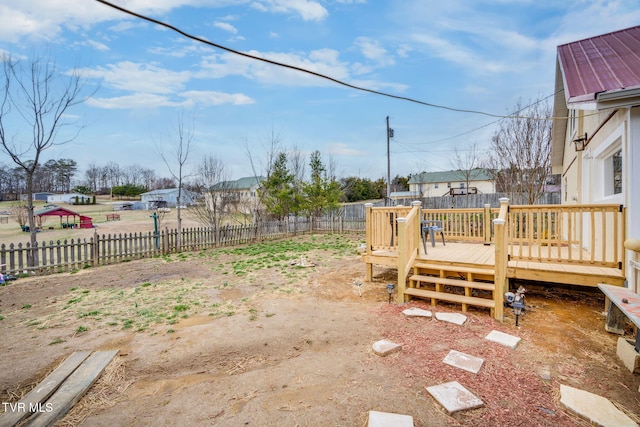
[[73, 388], [33, 400]]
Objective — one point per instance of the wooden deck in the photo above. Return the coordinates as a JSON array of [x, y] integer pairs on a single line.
[[483, 256], [573, 245]]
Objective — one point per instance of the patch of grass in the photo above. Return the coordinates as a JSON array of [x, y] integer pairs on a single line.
[[127, 324], [1, 317], [33, 322], [269, 314], [81, 329], [181, 307], [27, 306], [92, 313], [170, 331], [56, 341]]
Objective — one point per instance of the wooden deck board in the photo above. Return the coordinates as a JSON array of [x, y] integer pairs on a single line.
[[73, 388], [483, 256], [43, 390]]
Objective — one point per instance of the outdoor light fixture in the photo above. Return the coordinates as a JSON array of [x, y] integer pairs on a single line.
[[581, 142], [390, 287]]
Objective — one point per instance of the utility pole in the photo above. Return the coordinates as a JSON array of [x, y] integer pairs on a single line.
[[389, 136]]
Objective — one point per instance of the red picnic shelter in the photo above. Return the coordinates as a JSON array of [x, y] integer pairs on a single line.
[[73, 219]]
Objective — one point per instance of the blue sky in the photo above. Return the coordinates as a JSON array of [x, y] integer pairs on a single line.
[[479, 55]]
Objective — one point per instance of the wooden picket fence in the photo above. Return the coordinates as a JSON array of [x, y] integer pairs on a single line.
[[69, 255]]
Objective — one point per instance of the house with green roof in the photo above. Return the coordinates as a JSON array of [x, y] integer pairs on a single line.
[[240, 195], [453, 182]]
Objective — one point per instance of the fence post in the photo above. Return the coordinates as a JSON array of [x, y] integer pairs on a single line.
[[165, 241], [486, 227], [95, 251]]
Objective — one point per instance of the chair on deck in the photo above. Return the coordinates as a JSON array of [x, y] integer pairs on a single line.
[[431, 227]]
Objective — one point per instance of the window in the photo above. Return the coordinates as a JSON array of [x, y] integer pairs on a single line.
[[462, 185], [613, 173], [448, 185], [572, 124], [435, 185]]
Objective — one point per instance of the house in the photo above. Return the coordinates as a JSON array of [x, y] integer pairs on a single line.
[[596, 130], [454, 182], [70, 198], [167, 197], [41, 196], [240, 195]]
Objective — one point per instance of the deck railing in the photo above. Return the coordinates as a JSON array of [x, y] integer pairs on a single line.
[[382, 228], [408, 242], [465, 225], [579, 234]]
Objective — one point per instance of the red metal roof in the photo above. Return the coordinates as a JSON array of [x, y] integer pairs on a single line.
[[609, 62]]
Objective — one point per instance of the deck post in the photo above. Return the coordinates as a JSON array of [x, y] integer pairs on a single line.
[[416, 231], [487, 225], [368, 235], [402, 258], [500, 277]]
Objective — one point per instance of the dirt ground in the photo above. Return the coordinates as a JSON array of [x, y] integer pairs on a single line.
[[288, 345]]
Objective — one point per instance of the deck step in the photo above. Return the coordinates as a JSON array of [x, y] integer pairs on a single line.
[[453, 282], [454, 268], [444, 296]]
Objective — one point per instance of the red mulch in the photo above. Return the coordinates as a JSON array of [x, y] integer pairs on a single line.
[[509, 383]]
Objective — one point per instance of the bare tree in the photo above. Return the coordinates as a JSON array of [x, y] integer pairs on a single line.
[[521, 151], [20, 214], [271, 149], [181, 149], [467, 165], [33, 109], [212, 182]]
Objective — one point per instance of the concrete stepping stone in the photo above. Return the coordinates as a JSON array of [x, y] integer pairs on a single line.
[[464, 361], [456, 318], [454, 397], [416, 312], [384, 347], [596, 409], [503, 339], [387, 419]]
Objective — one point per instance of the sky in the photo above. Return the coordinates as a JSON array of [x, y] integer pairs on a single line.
[[480, 55]]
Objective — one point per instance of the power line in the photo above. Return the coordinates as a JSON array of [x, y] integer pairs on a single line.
[[302, 70]]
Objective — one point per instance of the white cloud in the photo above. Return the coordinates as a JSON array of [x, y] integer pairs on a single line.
[[342, 149], [458, 54], [187, 99], [93, 44], [146, 78], [216, 98], [225, 26], [323, 61], [134, 101], [372, 50], [307, 9]]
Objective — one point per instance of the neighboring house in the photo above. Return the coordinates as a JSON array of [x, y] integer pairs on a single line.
[[458, 182], [240, 195], [167, 197], [69, 198], [596, 131], [42, 197]]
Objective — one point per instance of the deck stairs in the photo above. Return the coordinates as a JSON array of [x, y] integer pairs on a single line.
[[463, 284]]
